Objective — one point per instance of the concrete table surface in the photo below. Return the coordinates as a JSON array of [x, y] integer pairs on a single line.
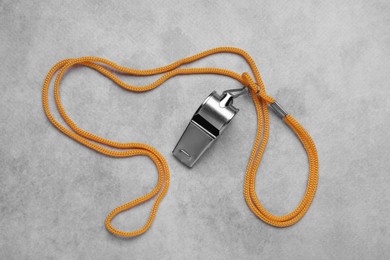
[[327, 62]]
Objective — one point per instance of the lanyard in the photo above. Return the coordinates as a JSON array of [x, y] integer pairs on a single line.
[[111, 148]]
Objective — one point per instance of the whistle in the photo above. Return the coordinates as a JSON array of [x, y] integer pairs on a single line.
[[206, 125]]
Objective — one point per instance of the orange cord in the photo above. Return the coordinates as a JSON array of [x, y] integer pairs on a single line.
[[102, 145]]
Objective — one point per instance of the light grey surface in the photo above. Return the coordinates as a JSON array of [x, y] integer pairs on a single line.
[[327, 62]]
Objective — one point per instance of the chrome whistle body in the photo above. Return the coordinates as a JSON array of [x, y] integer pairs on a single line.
[[206, 125]]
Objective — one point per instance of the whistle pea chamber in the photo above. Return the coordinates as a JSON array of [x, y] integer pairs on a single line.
[[207, 124]]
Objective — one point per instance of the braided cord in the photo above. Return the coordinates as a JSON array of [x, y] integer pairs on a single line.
[[117, 149]]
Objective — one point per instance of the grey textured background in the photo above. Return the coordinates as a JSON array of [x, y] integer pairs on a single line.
[[327, 62]]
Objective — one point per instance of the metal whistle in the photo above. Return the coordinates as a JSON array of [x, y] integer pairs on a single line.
[[207, 124]]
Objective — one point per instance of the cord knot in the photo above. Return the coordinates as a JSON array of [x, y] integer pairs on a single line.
[[255, 88], [249, 83]]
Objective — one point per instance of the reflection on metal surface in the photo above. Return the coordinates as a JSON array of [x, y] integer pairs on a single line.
[[207, 124]]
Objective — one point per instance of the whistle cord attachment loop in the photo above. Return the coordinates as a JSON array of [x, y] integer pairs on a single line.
[[116, 149], [238, 92]]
